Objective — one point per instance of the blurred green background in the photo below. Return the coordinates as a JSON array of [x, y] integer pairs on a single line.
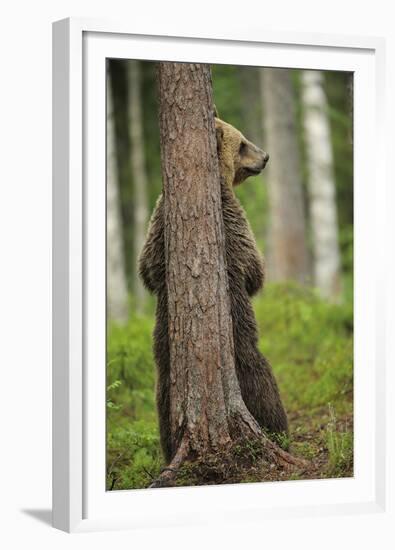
[[306, 329]]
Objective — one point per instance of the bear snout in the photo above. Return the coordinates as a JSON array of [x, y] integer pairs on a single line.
[[264, 160]]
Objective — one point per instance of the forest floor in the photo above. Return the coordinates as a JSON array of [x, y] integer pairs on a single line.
[[325, 442], [310, 345]]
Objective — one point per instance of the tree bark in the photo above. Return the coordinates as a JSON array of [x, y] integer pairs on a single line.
[[117, 294], [207, 412], [321, 186], [139, 176], [287, 243]]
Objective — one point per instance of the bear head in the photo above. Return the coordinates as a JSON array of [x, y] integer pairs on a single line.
[[238, 157]]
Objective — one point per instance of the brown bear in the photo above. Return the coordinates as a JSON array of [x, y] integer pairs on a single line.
[[238, 159]]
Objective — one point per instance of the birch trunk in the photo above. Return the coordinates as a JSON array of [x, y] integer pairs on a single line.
[[117, 295], [139, 175], [321, 186], [287, 243]]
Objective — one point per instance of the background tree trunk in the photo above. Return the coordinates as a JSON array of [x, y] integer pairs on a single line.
[[206, 409], [251, 114], [321, 186], [251, 105], [117, 295], [139, 177], [287, 244]]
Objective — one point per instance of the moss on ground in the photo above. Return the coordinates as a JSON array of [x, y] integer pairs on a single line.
[[310, 346]]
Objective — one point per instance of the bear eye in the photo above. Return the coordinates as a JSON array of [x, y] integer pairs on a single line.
[[242, 148]]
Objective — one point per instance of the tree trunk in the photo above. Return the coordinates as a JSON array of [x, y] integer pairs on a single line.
[[321, 185], [139, 177], [287, 244], [117, 295], [207, 412]]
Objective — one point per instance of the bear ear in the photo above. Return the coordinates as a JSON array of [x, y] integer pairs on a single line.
[[215, 111]]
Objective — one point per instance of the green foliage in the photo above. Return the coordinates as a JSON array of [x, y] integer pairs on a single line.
[[151, 130], [133, 450], [309, 344], [227, 93], [130, 369], [133, 455]]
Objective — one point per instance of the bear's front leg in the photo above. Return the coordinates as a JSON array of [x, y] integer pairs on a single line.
[[152, 268], [254, 273]]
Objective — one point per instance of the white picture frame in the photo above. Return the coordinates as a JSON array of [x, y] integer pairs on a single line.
[[80, 501]]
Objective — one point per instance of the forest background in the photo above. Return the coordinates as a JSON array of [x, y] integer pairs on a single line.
[[302, 202]]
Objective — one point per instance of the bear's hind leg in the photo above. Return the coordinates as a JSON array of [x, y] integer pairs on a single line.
[[163, 406], [162, 359], [262, 398]]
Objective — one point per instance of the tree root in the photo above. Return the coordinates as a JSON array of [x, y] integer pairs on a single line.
[[214, 465], [168, 475], [288, 461]]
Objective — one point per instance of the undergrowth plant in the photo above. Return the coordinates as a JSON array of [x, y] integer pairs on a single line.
[[309, 344]]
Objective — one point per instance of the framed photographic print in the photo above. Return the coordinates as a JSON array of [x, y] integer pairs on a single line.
[[194, 380]]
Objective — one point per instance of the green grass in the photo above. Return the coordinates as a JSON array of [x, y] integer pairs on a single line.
[[340, 447], [310, 346]]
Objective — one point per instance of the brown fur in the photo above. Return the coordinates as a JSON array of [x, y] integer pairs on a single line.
[[238, 159]]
